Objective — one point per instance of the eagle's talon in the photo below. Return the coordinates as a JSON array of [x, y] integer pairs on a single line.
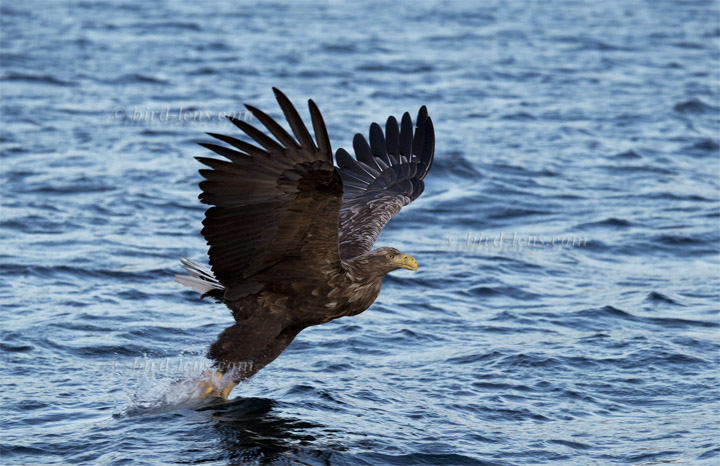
[[212, 385], [225, 392]]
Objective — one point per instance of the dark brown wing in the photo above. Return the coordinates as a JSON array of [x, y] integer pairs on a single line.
[[384, 176], [273, 201]]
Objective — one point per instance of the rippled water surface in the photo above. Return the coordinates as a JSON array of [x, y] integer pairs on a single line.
[[584, 133]]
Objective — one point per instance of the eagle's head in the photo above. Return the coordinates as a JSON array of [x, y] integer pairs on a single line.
[[389, 259]]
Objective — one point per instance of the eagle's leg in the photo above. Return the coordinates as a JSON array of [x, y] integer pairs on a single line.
[[241, 361], [214, 385]]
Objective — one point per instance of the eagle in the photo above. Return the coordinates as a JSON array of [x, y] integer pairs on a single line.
[[291, 234]]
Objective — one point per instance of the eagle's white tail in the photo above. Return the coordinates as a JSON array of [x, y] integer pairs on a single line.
[[201, 278]]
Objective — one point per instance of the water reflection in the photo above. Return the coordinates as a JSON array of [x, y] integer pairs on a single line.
[[252, 429]]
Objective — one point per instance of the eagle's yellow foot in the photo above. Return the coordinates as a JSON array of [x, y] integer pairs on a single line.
[[214, 385]]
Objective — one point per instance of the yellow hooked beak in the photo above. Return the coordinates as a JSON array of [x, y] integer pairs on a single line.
[[406, 262]]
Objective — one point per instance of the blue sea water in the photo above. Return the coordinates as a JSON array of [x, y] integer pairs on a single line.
[[566, 310]]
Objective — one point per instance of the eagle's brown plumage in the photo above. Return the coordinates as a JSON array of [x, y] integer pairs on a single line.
[[290, 234]]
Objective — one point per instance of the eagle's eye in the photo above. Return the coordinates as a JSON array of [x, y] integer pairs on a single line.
[[390, 256]]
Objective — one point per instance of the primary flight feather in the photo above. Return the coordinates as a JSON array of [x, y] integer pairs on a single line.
[[291, 234]]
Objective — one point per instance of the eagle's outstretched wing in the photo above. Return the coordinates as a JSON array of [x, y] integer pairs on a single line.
[[273, 201], [384, 176], [279, 222]]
